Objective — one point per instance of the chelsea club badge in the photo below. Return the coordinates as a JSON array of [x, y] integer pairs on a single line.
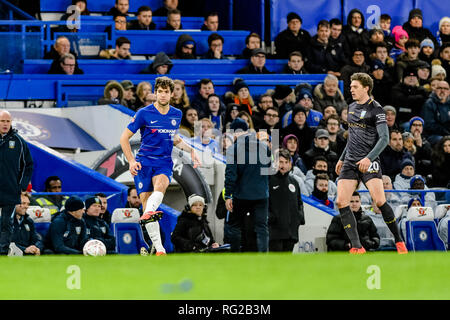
[[12, 144]]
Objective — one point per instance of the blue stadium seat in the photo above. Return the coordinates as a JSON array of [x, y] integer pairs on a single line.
[[127, 230], [41, 218], [421, 231]]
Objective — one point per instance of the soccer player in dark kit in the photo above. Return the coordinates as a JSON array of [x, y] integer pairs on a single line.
[[367, 138]]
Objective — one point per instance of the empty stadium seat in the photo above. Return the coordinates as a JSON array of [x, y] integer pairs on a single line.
[[421, 231], [127, 230], [42, 219]]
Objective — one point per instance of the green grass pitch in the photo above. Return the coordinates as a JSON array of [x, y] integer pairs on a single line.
[[225, 276]]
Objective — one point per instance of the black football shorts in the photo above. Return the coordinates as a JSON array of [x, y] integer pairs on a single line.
[[350, 171]]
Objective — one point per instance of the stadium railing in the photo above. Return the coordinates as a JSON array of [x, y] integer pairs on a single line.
[[89, 88], [180, 66]]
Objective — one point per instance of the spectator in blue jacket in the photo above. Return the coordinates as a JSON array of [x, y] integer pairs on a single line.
[[247, 187], [16, 167], [67, 233], [96, 227], [24, 234]]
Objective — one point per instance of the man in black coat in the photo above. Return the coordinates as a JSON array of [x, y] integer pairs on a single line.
[[354, 32], [293, 38], [414, 27], [321, 147], [382, 82], [285, 206], [257, 63], [67, 233], [337, 239], [16, 168], [144, 20], [393, 155], [24, 234], [192, 232], [96, 227]]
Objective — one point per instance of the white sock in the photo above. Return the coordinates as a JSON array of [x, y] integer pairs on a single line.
[[155, 236], [154, 201]]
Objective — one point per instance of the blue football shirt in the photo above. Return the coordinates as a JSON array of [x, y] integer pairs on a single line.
[[157, 132]]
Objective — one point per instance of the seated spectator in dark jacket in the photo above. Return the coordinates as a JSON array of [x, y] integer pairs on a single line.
[[113, 93], [121, 52], [337, 39], [161, 65], [393, 155], [192, 233], [354, 32], [185, 47], [408, 97], [173, 20], [329, 94], [415, 29], [215, 43], [121, 6], [96, 227], [323, 55], [300, 129], [391, 118], [81, 10], [436, 113], [167, 6], [441, 159], [257, 63], [129, 99], [144, 20], [67, 64], [24, 234], [321, 147], [293, 38], [320, 191], [376, 36], [337, 239], [382, 82], [120, 22], [59, 48], [285, 206], [252, 41], [409, 59], [423, 148], [67, 233], [295, 64], [265, 102], [444, 58], [211, 22], [200, 101], [382, 53]]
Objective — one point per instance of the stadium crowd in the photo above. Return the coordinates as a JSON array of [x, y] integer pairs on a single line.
[[410, 70]]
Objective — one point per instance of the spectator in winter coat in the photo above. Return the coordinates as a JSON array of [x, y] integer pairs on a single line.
[[291, 144], [293, 38], [296, 64], [173, 20], [357, 65], [321, 147], [300, 129], [121, 52], [392, 157], [436, 113], [144, 20], [402, 179], [121, 6], [215, 44], [113, 94], [285, 206], [422, 156], [104, 213], [185, 47], [320, 166], [323, 55], [24, 234], [192, 232], [415, 29], [161, 65], [441, 159], [67, 233], [401, 37], [354, 32], [252, 41], [382, 82], [408, 60], [257, 63], [337, 239], [408, 97], [329, 94], [96, 227]]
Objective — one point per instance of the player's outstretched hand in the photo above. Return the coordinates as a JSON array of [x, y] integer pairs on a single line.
[[339, 167], [134, 167], [364, 164]]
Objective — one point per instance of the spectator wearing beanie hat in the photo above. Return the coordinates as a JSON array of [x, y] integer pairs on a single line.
[[408, 96], [423, 147], [444, 58], [402, 179], [300, 129], [444, 31], [417, 182], [438, 72], [240, 96], [415, 29], [400, 37], [293, 38], [283, 98], [96, 227], [67, 233], [391, 117], [427, 51], [357, 64], [305, 98]]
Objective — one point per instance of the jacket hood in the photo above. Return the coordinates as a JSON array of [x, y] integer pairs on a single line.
[[111, 85], [161, 59], [182, 39], [349, 18]]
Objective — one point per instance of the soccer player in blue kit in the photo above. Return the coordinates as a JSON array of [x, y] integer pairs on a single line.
[[368, 135], [152, 169]]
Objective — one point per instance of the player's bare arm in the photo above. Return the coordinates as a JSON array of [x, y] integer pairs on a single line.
[[179, 143], [134, 166]]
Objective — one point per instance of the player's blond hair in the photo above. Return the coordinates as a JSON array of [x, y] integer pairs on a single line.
[[164, 82]]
